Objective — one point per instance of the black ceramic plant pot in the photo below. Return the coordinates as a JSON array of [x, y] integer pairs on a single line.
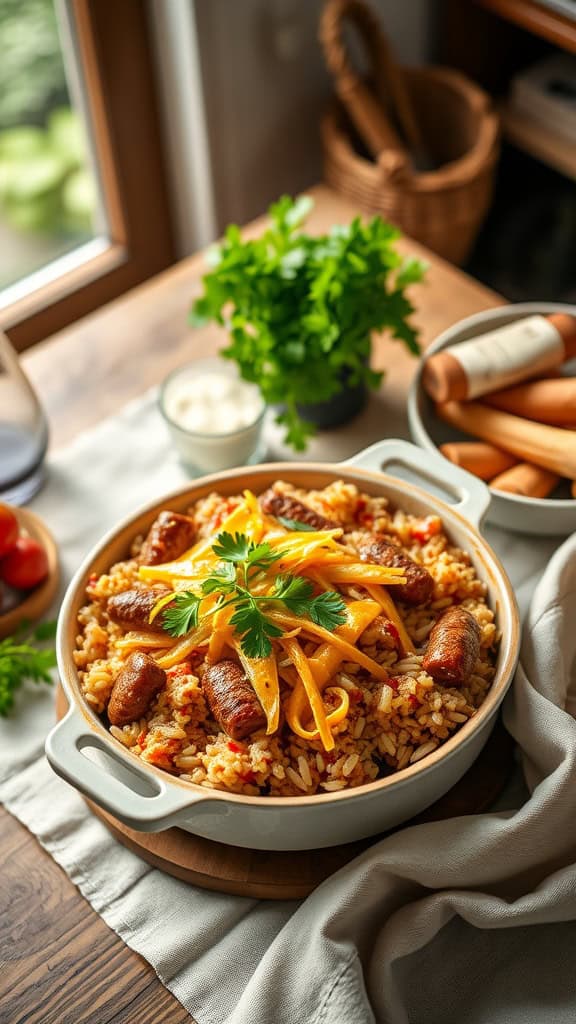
[[339, 409], [342, 407]]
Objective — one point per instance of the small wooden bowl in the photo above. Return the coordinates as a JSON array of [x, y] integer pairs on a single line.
[[34, 602]]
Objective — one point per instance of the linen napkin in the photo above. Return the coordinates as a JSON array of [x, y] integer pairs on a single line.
[[469, 919]]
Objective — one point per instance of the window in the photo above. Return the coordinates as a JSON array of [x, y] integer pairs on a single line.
[[84, 212]]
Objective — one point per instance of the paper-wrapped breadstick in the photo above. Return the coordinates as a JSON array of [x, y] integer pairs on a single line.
[[524, 349], [527, 480], [550, 447], [547, 401], [479, 458]]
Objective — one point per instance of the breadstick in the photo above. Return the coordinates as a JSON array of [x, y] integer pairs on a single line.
[[527, 480], [484, 460], [500, 358], [548, 401], [550, 447]]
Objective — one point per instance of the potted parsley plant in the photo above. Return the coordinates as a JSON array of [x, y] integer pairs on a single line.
[[300, 311]]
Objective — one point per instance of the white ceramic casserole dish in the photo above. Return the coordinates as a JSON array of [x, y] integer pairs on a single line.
[[82, 751], [554, 516]]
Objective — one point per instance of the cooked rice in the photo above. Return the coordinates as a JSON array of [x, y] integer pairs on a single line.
[[389, 725]]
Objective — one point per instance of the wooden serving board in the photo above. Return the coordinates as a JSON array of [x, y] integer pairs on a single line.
[[293, 875]]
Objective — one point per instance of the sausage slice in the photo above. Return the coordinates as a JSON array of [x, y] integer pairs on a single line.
[[419, 583], [284, 505], [131, 609], [170, 535], [453, 647], [135, 687], [232, 700]]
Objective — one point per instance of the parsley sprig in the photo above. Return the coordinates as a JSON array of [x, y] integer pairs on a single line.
[[242, 564], [21, 659]]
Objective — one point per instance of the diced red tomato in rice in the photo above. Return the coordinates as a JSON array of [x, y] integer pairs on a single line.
[[428, 528], [183, 669]]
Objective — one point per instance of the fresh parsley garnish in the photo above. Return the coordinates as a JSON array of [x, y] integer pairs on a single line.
[[222, 581], [300, 309], [255, 629], [242, 562], [21, 659], [295, 591], [297, 594], [183, 613], [296, 524], [236, 548]]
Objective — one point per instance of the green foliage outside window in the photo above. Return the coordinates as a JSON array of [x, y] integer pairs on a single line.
[[45, 185]]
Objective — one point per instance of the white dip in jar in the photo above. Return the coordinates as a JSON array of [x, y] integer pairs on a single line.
[[215, 418]]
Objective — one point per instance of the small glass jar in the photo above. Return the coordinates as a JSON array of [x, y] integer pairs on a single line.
[[214, 417]]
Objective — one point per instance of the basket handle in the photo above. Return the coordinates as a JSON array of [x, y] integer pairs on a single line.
[[370, 111]]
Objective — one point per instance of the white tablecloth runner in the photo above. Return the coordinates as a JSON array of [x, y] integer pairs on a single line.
[[470, 919]]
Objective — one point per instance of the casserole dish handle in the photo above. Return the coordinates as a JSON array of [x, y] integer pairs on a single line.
[[147, 813], [470, 496]]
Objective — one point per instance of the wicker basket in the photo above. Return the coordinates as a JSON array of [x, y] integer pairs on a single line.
[[442, 208]]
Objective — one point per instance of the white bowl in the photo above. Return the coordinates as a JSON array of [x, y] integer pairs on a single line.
[[149, 799], [554, 516]]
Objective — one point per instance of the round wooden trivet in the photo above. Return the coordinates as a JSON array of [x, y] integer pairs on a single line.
[[34, 602], [293, 875]]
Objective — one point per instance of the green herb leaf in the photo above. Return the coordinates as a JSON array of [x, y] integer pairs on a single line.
[[296, 592], [232, 547], [44, 631], [222, 580], [255, 630], [183, 613], [238, 549], [295, 524], [262, 555], [327, 610], [20, 659]]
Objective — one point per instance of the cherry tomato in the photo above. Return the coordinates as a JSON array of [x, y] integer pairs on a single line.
[[8, 529], [25, 565]]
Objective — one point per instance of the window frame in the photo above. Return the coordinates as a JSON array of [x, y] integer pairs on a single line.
[[115, 54]]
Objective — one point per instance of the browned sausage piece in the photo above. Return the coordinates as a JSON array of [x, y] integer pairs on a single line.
[[419, 583], [290, 508], [232, 700], [135, 687], [169, 537], [453, 647], [131, 609]]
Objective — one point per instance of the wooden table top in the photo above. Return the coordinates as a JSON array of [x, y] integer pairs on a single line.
[[61, 963]]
